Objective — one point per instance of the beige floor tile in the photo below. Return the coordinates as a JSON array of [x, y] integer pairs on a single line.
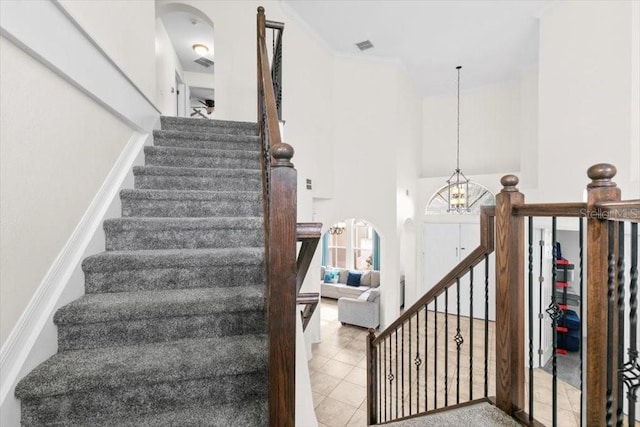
[[357, 376], [317, 362], [334, 413], [317, 398], [322, 383], [337, 369], [348, 393], [324, 349], [359, 419], [350, 357]]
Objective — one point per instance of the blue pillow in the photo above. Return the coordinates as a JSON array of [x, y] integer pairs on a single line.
[[328, 276], [353, 279]]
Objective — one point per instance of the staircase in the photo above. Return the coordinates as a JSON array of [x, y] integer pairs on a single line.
[[172, 329]]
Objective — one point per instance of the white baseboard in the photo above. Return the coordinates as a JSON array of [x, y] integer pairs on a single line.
[[34, 337]]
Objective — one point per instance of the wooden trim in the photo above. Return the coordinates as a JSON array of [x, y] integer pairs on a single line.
[[509, 298], [372, 369], [274, 25], [523, 418], [309, 234], [575, 210], [628, 210], [310, 300]]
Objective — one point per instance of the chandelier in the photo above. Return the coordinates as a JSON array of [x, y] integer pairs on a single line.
[[458, 184], [337, 228]]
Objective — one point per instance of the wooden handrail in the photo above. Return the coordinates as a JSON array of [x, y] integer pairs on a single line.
[[627, 210], [575, 209], [473, 259], [308, 234], [310, 300]]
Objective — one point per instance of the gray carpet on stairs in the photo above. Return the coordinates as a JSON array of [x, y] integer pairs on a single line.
[[478, 415], [171, 330]]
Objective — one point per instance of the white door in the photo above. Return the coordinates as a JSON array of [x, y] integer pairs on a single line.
[[440, 252]]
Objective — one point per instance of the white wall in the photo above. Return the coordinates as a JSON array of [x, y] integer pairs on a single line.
[[126, 37], [586, 93], [50, 172], [490, 131], [166, 66]]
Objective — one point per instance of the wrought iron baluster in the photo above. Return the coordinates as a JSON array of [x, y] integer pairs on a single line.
[[397, 373], [581, 284], [402, 367], [530, 231], [620, 296], [426, 358], [417, 361], [409, 367], [380, 380], [391, 378], [458, 339], [486, 326], [554, 313], [471, 334], [384, 349], [435, 353], [446, 347], [631, 369], [610, 298]]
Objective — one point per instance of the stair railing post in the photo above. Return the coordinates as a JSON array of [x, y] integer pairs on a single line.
[[510, 310], [601, 189], [282, 288]]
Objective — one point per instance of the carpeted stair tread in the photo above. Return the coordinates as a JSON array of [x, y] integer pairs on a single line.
[[250, 413], [196, 172], [207, 140], [204, 158], [177, 195], [190, 203], [206, 179], [172, 258], [477, 415], [116, 367], [200, 125], [106, 307], [189, 233]]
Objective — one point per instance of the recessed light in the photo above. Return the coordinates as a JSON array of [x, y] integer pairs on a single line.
[[200, 49]]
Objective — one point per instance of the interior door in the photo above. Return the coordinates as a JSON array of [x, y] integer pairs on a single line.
[[440, 252]]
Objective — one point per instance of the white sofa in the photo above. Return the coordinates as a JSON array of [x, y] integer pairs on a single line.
[[339, 287], [363, 311]]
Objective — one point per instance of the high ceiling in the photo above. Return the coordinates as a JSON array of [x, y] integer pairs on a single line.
[[492, 40], [187, 26]]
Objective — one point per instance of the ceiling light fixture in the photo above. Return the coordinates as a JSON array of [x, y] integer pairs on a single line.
[[337, 228], [458, 184], [200, 49]]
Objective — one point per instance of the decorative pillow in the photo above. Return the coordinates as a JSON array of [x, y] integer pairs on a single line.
[[344, 275], [375, 279], [364, 296], [373, 294], [328, 276], [365, 280], [353, 279]]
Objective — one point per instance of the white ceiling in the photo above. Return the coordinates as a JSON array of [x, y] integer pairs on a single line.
[[492, 40], [184, 33]]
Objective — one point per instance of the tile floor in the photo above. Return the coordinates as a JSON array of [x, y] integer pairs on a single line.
[[338, 375]]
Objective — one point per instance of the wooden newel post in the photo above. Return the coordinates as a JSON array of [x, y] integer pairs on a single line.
[[509, 298], [372, 369], [282, 287], [601, 189]]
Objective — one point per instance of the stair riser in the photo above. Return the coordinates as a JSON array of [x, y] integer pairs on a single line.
[[160, 182], [173, 278], [188, 208], [144, 331], [210, 130], [104, 403], [122, 240], [221, 144], [202, 162]]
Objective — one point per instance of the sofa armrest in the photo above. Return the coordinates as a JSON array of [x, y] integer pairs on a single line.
[[359, 312]]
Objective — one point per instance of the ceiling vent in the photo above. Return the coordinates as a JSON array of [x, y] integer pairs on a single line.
[[204, 62], [364, 45]]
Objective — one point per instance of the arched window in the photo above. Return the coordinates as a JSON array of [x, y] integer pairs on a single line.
[[477, 195]]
